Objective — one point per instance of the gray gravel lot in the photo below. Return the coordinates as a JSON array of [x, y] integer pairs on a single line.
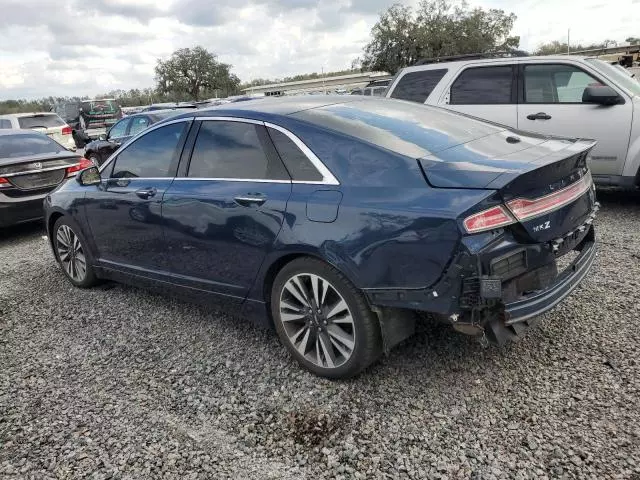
[[116, 382]]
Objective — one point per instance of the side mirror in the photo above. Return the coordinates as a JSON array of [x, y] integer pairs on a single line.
[[89, 176], [102, 136], [602, 95]]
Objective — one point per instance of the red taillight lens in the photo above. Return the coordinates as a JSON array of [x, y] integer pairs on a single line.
[[66, 130], [489, 219], [4, 182], [524, 208], [84, 163]]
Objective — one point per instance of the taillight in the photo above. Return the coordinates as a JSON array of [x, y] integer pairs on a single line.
[[66, 130], [4, 182], [524, 208], [489, 219], [81, 165]]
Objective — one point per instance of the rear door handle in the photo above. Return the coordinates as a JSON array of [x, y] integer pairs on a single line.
[[250, 199], [146, 193], [539, 116]]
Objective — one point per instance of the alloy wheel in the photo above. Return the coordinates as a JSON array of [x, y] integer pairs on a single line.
[[317, 320], [71, 253]]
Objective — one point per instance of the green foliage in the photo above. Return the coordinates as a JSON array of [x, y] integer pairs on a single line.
[[436, 28], [557, 47], [195, 73], [44, 104], [633, 40], [296, 78]]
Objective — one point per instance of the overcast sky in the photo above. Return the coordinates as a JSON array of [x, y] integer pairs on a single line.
[[87, 47]]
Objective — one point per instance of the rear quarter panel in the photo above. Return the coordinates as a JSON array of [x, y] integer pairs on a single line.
[[392, 230]]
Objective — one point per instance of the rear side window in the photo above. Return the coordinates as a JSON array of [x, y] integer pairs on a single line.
[[41, 121], [417, 86], [298, 164], [233, 150], [4, 123], [12, 146], [483, 86], [152, 155]]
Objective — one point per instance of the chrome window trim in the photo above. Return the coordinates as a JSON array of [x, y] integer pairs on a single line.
[[219, 179], [327, 177], [232, 119], [140, 135]]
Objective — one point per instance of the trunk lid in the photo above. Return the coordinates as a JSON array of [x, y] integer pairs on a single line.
[[544, 181], [36, 172]]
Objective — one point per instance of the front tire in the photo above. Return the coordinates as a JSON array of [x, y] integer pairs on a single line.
[[323, 320], [72, 254]]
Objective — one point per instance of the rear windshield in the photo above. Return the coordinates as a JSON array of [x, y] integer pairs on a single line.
[[24, 145], [41, 121], [99, 107], [407, 128]]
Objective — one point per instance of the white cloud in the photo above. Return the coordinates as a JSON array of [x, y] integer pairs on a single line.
[[79, 47]]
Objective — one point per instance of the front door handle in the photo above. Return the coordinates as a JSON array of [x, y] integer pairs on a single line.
[[146, 193], [250, 199], [539, 116]]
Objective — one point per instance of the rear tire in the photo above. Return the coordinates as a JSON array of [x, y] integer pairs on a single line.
[[323, 320], [72, 254]]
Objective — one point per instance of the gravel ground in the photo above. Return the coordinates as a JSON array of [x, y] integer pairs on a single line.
[[115, 382]]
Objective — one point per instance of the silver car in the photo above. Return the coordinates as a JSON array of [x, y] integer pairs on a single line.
[[552, 95]]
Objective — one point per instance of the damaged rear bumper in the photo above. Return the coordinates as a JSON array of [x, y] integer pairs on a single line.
[[499, 287]]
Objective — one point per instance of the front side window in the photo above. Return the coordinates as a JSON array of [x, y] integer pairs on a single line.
[[119, 129], [138, 124], [556, 83], [232, 150], [483, 86], [417, 86], [153, 155], [298, 164]]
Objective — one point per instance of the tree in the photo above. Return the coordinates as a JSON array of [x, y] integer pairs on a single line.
[[194, 73], [436, 28], [633, 40], [555, 47]]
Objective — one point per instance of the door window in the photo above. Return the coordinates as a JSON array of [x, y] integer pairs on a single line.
[[138, 124], [417, 86], [119, 129], [233, 150], [555, 83], [483, 86], [298, 164], [153, 155]]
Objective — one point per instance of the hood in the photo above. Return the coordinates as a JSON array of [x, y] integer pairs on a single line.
[[495, 160]]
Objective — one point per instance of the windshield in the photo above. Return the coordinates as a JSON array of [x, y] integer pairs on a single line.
[[625, 81], [41, 121], [12, 146], [99, 107]]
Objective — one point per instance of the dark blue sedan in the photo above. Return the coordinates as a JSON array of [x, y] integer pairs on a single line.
[[337, 219]]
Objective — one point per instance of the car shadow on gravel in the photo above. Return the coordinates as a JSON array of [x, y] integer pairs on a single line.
[[21, 232], [612, 196]]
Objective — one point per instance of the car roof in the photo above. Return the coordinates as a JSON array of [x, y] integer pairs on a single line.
[[29, 114], [269, 106], [457, 63], [18, 131]]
